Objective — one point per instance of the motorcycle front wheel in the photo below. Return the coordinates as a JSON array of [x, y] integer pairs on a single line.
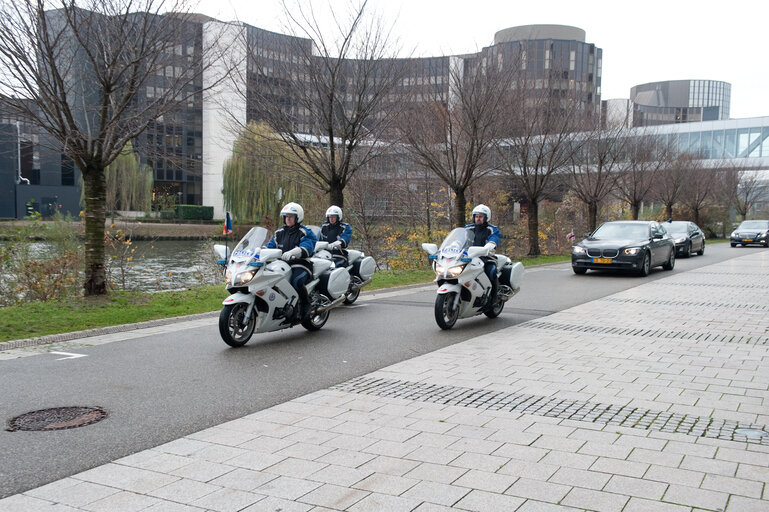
[[316, 321], [231, 327], [445, 316]]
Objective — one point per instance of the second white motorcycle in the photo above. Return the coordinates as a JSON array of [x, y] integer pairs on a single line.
[[463, 286]]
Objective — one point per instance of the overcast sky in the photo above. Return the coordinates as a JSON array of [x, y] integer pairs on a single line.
[[642, 41]]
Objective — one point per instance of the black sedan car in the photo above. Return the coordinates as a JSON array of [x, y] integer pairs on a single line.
[[751, 232], [632, 245], [687, 236]]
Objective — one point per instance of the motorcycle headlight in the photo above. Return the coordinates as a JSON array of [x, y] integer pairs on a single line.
[[449, 271], [578, 250], [631, 251], [244, 277], [227, 275]]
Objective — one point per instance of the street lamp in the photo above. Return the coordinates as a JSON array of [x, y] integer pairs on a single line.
[[19, 177]]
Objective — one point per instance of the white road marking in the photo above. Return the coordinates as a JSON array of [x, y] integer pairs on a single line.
[[68, 354]]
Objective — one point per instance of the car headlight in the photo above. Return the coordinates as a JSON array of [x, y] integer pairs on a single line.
[[244, 277], [680, 240], [632, 251], [734, 234], [578, 250], [449, 271]]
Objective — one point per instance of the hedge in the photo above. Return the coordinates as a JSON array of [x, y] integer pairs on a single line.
[[194, 212]]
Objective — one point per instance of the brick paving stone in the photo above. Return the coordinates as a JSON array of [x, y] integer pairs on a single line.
[[389, 465], [243, 479], [482, 501], [619, 467], [731, 485], [750, 472], [701, 498], [521, 452], [184, 491], [122, 477], [605, 450], [439, 494], [490, 463], [227, 500], [378, 502], [266, 444], [638, 487], [580, 478], [339, 475], [719, 467], [296, 468], [658, 458], [348, 458], [274, 504], [202, 471], [742, 504], [436, 473], [333, 496], [72, 492], [674, 476], [642, 505], [539, 506], [485, 481], [595, 500], [386, 484], [123, 501], [570, 460], [538, 490], [287, 488]]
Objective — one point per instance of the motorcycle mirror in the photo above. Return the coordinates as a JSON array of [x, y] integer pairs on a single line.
[[473, 252], [430, 248], [221, 251]]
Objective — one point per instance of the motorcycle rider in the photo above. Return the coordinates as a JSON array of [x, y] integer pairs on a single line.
[[337, 233], [486, 235], [298, 244]]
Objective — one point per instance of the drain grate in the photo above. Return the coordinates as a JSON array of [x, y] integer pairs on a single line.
[[57, 418], [554, 407], [710, 285], [648, 332]]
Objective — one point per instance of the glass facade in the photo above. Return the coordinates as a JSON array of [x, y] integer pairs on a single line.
[[680, 101], [738, 138]]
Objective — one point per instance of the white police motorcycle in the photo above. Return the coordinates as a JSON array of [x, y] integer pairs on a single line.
[[463, 286], [261, 296], [360, 267]]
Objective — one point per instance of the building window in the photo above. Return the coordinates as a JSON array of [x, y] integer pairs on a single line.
[[67, 171]]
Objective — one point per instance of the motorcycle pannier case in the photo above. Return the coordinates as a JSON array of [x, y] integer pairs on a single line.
[[365, 267], [335, 282], [512, 275]]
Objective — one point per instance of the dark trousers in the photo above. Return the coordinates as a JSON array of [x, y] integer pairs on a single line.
[[490, 267], [299, 278]]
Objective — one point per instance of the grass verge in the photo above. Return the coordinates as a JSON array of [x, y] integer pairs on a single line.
[[76, 314]]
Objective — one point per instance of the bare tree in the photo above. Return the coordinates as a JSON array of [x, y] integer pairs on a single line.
[[699, 188], [595, 167], [81, 73], [542, 121], [329, 101], [646, 155], [749, 190], [453, 135], [671, 181]]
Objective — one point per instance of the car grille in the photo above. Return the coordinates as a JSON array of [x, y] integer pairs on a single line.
[[605, 253]]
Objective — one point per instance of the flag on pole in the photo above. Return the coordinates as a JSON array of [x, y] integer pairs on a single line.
[[570, 236], [227, 224]]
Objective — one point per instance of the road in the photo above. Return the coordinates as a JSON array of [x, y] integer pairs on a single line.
[[159, 388]]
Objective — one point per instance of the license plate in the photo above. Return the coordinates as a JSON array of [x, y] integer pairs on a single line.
[[747, 239], [601, 260]]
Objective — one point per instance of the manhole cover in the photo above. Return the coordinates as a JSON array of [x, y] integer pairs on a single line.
[[751, 432], [58, 418]]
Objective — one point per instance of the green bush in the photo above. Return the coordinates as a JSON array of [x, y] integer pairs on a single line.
[[194, 212], [167, 214]]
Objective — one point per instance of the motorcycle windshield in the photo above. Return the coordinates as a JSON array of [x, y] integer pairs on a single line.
[[249, 245], [455, 245], [315, 230]]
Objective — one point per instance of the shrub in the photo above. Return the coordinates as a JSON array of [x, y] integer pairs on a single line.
[[194, 212]]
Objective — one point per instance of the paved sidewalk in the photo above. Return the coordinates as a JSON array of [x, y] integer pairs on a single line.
[[653, 399]]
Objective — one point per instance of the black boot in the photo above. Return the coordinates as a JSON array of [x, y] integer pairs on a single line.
[[493, 294], [304, 304]]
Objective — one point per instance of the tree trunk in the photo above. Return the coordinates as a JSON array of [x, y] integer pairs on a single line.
[[592, 215], [635, 208], [95, 215], [336, 194], [696, 216], [533, 224], [668, 211], [460, 205]]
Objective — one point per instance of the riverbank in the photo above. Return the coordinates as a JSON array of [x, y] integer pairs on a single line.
[[143, 230]]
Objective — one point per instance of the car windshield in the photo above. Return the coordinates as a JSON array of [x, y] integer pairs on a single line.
[[754, 224], [614, 230], [677, 227]]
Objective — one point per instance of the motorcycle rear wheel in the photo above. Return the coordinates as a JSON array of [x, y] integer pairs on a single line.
[[445, 316], [352, 296], [230, 327], [495, 311]]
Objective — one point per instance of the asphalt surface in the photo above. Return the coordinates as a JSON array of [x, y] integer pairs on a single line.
[[162, 387]]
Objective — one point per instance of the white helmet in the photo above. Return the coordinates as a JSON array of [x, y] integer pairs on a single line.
[[334, 210], [295, 209], [483, 209]]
